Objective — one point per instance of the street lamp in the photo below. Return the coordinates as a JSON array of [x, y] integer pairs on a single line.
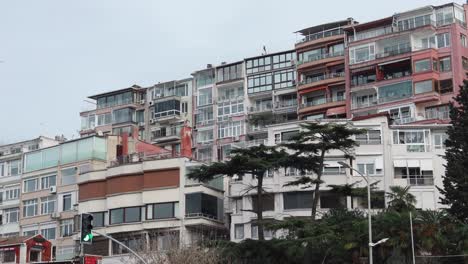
[[367, 179]]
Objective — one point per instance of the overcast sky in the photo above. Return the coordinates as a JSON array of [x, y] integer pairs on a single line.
[[56, 53]]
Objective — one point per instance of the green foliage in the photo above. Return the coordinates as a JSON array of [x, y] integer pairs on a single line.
[[400, 199], [455, 181]]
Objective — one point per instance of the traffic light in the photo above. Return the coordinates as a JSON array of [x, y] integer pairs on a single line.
[[86, 228]]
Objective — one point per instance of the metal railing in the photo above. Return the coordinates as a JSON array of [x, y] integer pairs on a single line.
[[139, 157], [323, 100], [261, 108], [395, 50], [403, 120], [321, 56], [322, 77], [357, 105], [371, 33], [322, 34], [434, 114], [167, 113], [286, 104], [419, 180], [393, 98]]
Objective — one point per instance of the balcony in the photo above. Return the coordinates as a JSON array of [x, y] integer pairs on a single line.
[[320, 59], [435, 114], [286, 106], [322, 103], [404, 120], [166, 134], [319, 37], [394, 51], [418, 180], [262, 108], [367, 103], [167, 116], [320, 80], [256, 142]]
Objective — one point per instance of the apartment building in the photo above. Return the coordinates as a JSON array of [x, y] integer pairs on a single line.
[[11, 169], [148, 204], [410, 64], [49, 188], [116, 112], [220, 115], [402, 155], [271, 93], [321, 71], [169, 108]]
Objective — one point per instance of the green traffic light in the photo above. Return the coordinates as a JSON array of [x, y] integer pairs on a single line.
[[88, 237]]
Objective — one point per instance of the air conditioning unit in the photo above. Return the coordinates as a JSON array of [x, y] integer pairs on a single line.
[[142, 101], [150, 102], [53, 189], [158, 95], [141, 123], [55, 215], [152, 121]]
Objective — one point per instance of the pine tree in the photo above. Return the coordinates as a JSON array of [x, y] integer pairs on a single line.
[[255, 161], [455, 181], [309, 148]]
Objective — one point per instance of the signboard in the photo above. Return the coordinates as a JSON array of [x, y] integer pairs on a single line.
[[90, 259]]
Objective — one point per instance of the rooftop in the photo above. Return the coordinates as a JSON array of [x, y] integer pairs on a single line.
[[324, 27], [132, 88]]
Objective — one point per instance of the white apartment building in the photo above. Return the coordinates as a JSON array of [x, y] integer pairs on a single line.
[[150, 201], [11, 169], [392, 155]]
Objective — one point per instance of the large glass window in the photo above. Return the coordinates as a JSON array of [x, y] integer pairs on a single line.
[[48, 233], [423, 87], [48, 181], [369, 137], [259, 83], [230, 108], [67, 202], [104, 119], [15, 167], [228, 73], [123, 115], [446, 86], [205, 97], [68, 175], [395, 91], [362, 53], [268, 202], [445, 64], [125, 215], [12, 193], [11, 215], [239, 231], [50, 157], [29, 208], [332, 200], [202, 204], [98, 219], [204, 78], [416, 140], [283, 60], [437, 112], [230, 129], [422, 65], [30, 185], [66, 228], [443, 40], [414, 22], [258, 65], [297, 200], [162, 210], [284, 79], [114, 100]]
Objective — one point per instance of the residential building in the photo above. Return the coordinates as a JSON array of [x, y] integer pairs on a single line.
[[11, 170], [148, 203], [25, 249], [410, 64], [271, 93], [116, 112], [170, 108], [401, 155], [321, 71], [49, 188]]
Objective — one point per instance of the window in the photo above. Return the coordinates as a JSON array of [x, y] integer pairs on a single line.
[[422, 65], [30, 185], [289, 171], [12, 194], [268, 202], [123, 115], [230, 129], [439, 140], [414, 22], [98, 219], [362, 53], [67, 202], [15, 167], [260, 83], [285, 136], [369, 137], [332, 200], [416, 140], [11, 215], [423, 87], [283, 60], [239, 231], [68, 175], [104, 119], [465, 63], [228, 73], [204, 97], [395, 91], [254, 231], [88, 122], [66, 228], [446, 86], [204, 78], [162, 210], [366, 168], [8, 256], [463, 40], [437, 112], [258, 65], [30, 233], [48, 204], [48, 181], [30, 208], [238, 205], [184, 107], [114, 100], [230, 108], [284, 79], [202, 204], [297, 200], [125, 215], [48, 233], [443, 40], [445, 64]]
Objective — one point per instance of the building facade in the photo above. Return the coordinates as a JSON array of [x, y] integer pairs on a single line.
[[11, 170]]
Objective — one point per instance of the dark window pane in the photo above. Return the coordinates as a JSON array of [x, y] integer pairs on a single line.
[[297, 200], [132, 214], [116, 216], [163, 210]]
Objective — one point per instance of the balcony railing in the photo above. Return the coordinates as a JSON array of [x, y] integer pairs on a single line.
[[357, 105], [321, 57], [434, 114], [394, 51], [323, 34], [256, 142], [230, 99], [322, 77], [323, 101], [286, 104], [371, 33], [168, 113], [403, 120], [419, 180], [171, 132], [393, 98], [261, 108]]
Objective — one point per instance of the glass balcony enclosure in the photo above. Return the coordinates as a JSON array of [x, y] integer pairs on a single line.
[[115, 100], [322, 34], [123, 115], [396, 91], [321, 53], [68, 152], [165, 108]]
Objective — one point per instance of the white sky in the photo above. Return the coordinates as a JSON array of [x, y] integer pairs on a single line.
[[55, 53]]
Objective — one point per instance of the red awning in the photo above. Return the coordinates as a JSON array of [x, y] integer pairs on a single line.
[[336, 111]]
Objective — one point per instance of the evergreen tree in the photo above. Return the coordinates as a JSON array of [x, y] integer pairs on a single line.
[[255, 161], [455, 181], [309, 148]]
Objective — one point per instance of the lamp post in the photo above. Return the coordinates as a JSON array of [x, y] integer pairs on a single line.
[[367, 179]]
